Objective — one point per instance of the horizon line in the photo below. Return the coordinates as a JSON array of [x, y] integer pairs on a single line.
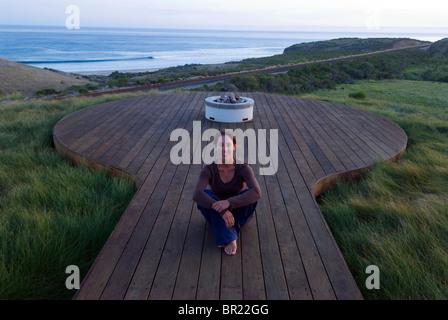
[[308, 28]]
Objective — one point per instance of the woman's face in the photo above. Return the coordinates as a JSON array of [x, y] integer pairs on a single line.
[[224, 149]]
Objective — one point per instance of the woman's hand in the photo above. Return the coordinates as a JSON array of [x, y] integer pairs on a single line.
[[220, 206], [228, 218]]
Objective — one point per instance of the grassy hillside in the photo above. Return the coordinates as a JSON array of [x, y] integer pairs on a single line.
[[354, 45], [20, 78], [440, 48]]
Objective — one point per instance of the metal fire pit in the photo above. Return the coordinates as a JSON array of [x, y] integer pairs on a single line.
[[229, 108]]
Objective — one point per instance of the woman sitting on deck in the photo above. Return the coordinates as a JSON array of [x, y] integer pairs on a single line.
[[228, 205]]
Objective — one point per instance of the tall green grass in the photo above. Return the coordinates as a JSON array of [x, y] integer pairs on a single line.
[[52, 214], [396, 217]]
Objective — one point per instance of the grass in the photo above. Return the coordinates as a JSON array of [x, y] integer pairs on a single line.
[[396, 217], [52, 214]]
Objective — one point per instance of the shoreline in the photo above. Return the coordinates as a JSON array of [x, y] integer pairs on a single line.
[[109, 72]]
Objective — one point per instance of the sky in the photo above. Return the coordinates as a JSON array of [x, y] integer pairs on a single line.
[[292, 15]]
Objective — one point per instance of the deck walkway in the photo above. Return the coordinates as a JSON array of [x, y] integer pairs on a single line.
[[162, 248]]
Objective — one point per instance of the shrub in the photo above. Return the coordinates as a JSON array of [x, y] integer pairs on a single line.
[[439, 48], [443, 78], [45, 92], [359, 95], [91, 87], [122, 82], [246, 82]]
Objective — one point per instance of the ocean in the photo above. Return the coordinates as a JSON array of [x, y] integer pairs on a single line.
[[104, 50]]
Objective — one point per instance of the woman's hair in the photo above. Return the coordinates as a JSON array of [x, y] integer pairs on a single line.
[[226, 133]]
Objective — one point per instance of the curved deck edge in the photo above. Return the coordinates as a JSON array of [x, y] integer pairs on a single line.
[[78, 159], [329, 182]]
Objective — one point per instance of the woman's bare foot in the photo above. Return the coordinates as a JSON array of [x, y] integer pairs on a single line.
[[230, 248]]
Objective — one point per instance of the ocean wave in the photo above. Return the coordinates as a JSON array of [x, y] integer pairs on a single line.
[[85, 61]]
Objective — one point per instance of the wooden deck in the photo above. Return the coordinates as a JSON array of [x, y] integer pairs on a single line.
[[162, 248]]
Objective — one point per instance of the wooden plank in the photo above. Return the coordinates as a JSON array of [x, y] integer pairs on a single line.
[[253, 280], [380, 149], [131, 258], [231, 269], [363, 141], [320, 230], [136, 138], [297, 281], [148, 253], [104, 129], [318, 285], [274, 277], [119, 280], [88, 116], [344, 153], [188, 274], [311, 140], [188, 99], [385, 128], [302, 153], [124, 140], [209, 282], [165, 279], [317, 129], [252, 266], [288, 177], [148, 153], [140, 114], [127, 155], [158, 269], [346, 135], [231, 275], [341, 279], [116, 244]]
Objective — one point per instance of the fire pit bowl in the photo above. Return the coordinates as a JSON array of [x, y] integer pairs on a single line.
[[229, 108]]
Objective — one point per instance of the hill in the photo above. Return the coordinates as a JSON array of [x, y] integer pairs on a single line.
[[439, 48], [354, 44], [16, 77]]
